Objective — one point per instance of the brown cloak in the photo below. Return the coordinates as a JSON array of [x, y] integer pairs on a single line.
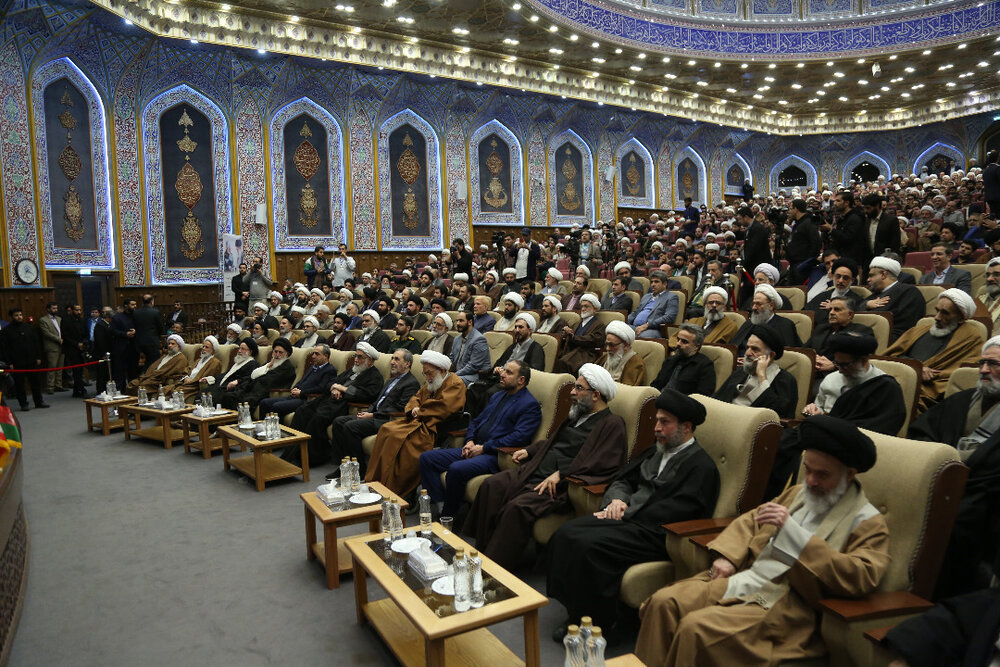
[[634, 372], [151, 380], [722, 332], [581, 350], [962, 348], [193, 385]]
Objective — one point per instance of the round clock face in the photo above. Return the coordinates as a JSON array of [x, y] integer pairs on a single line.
[[26, 271]]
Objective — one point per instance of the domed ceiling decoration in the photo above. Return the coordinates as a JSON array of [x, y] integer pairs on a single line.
[[779, 66]]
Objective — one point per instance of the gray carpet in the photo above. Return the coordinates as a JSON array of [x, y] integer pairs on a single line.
[[142, 555]]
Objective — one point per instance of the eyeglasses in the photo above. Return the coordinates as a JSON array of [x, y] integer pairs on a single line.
[[580, 388], [846, 364], [994, 364]]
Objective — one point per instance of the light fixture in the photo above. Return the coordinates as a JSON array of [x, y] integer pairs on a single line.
[[702, 83], [595, 45], [553, 28], [839, 75], [598, 60], [128, 22], [863, 82], [414, 40], [460, 31], [261, 52], [293, 19], [842, 98], [618, 51], [533, 18], [510, 42], [465, 49], [731, 91], [771, 66], [356, 30], [193, 41], [769, 79], [642, 56], [574, 37], [717, 65], [516, 6], [782, 102], [800, 65], [556, 51], [764, 89], [893, 57], [635, 68], [910, 70], [744, 66], [797, 86], [666, 59], [861, 61], [404, 19], [226, 8], [962, 45], [692, 62], [555, 67]]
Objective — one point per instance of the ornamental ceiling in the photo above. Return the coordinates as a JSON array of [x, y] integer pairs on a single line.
[[779, 66]]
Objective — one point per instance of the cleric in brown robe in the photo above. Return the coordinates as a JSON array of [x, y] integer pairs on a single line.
[[207, 366], [774, 563], [619, 359], [589, 445], [165, 371], [717, 327], [583, 344], [395, 460], [942, 345]]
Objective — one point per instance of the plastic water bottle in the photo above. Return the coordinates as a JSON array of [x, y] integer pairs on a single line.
[[463, 591], [396, 521], [424, 503], [345, 474], [574, 648], [356, 476], [141, 395], [476, 576], [386, 522], [595, 648], [161, 400], [586, 627]]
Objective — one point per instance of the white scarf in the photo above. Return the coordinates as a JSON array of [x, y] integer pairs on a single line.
[[202, 360], [547, 324], [232, 369], [166, 358], [309, 341], [263, 370]]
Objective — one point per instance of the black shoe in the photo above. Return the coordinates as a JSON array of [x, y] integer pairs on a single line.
[[561, 631], [333, 475], [42, 405], [61, 389], [25, 407]]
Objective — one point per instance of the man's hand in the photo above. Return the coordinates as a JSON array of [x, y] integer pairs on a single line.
[[826, 227], [823, 364], [721, 569], [824, 305], [471, 449], [364, 415], [763, 362], [415, 412], [497, 369], [232, 385], [812, 409], [519, 455], [877, 302], [567, 331], [929, 373], [548, 484], [615, 510], [296, 392], [639, 329], [772, 514]]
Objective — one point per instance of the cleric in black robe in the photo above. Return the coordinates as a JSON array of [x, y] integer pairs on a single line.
[[687, 370], [674, 481], [766, 301], [844, 271], [778, 389], [859, 393], [905, 302]]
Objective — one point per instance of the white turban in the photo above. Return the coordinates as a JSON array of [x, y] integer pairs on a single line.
[[768, 270], [712, 246], [491, 272], [276, 295], [599, 380], [709, 291], [234, 327], [528, 319], [992, 342], [730, 235], [366, 275], [214, 341], [317, 292], [298, 285], [323, 308], [886, 264], [514, 298], [432, 258], [372, 314], [993, 262], [592, 300], [177, 339], [258, 305], [621, 330], [554, 300], [962, 301], [346, 292], [301, 290], [310, 318], [554, 273], [435, 359], [461, 277], [298, 309], [510, 271], [682, 242], [771, 294], [406, 272], [368, 350], [657, 244], [622, 265], [585, 270], [445, 319]]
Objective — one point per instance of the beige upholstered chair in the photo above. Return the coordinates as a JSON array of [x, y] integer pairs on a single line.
[[272, 335], [907, 373], [682, 299], [800, 362], [498, 341], [723, 358], [803, 323], [324, 334], [605, 317], [636, 298], [225, 355], [738, 319], [263, 354], [796, 296], [930, 294], [687, 284], [863, 292], [644, 281], [653, 352], [191, 352], [571, 318], [421, 335], [342, 359], [961, 379], [568, 284], [550, 345], [978, 272], [915, 272], [742, 442], [599, 286], [880, 327]]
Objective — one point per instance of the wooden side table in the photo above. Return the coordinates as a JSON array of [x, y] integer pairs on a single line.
[[204, 444], [337, 560], [106, 424], [262, 466], [163, 431]]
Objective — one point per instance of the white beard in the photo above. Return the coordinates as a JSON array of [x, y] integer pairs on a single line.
[[820, 505], [760, 317], [941, 332], [711, 317], [435, 384], [615, 363], [989, 388]]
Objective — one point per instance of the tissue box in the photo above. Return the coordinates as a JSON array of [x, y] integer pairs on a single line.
[[330, 494], [427, 565]]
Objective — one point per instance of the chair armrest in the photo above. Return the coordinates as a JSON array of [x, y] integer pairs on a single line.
[[876, 635], [457, 433], [508, 450], [791, 423], [703, 539], [698, 526], [352, 404], [595, 489], [876, 605]]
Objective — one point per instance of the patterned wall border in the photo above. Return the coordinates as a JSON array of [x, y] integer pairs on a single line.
[[103, 257], [939, 147], [363, 186], [860, 157], [535, 178], [587, 217], [812, 177], [479, 217], [250, 186], [15, 163], [649, 201], [736, 158], [703, 176], [435, 239], [456, 173], [335, 159], [126, 183], [155, 221]]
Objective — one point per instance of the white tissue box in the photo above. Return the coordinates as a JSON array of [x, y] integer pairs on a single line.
[[427, 564]]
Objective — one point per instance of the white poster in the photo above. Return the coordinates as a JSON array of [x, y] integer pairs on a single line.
[[232, 257]]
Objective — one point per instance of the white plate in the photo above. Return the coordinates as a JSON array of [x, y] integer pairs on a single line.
[[408, 544], [216, 413], [365, 498], [444, 585]]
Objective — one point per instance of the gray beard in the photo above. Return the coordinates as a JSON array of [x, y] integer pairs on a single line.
[[749, 365], [941, 332], [615, 362], [438, 335], [821, 504], [370, 330], [713, 316], [671, 444], [581, 408], [989, 388], [435, 384], [993, 290], [760, 317]]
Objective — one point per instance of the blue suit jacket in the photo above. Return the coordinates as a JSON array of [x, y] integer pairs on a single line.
[[664, 312], [512, 424], [474, 356], [318, 382]]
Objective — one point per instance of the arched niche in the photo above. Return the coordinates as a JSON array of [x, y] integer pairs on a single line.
[[942, 149], [690, 178], [870, 158], [74, 178], [213, 170], [291, 160], [409, 176], [571, 180], [812, 179], [497, 175], [735, 173], [636, 175]]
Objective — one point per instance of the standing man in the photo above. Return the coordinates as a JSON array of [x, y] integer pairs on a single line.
[[125, 353], [50, 326], [461, 257], [316, 266], [806, 241], [523, 256], [343, 266], [882, 229], [75, 347], [991, 184], [241, 296], [148, 328], [849, 237], [756, 246], [21, 348], [103, 342]]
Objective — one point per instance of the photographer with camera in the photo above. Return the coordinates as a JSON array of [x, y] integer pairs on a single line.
[[461, 258], [523, 255], [256, 282]]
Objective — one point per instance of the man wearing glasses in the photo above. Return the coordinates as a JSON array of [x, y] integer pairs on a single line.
[[989, 293]]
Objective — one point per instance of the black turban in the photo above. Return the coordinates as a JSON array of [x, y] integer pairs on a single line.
[[840, 439], [685, 408], [769, 337]]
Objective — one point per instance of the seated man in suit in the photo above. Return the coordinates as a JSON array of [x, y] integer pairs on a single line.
[[470, 352], [532, 301], [278, 373], [524, 349], [687, 370], [762, 313], [316, 380], [439, 341], [582, 345], [840, 316], [349, 430], [207, 366], [165, 371], [372, 333], [655, 308], [617, 297], [550, 320], [482, 320], [844, 272], [414, 310], [674, 481], [623, 270], [571, 301], [905, 302], [358, 384], [510, 419], [619, 359], [989, 293], [943, 273], [942, 345], [589, 445], [404, 339], [759, 382], [238, 374], [340, 339]]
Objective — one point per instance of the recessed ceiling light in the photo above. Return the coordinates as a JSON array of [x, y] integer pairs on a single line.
[[764, 88], [479, 83], [823, 115], [692, 62], [516, 6], [731, 91], [226, 8], [893, 57], [771, 66], [694, 95], [555, 67], [702, 83], [797, 86], [434, 76], [861, 61], [838, 74], [905, 95], [618, 51], [574, 37], [863, 82], [758, 96], [261, 51], [927, 52], [414, 40], [600, 104], [829, 63], [862, 112], [782, 102], [356, 30], [533, 18], [388, 3], [744, 66], [404, 19], [556, 51], [193, 41], [885, 89], [874, 97], [962, 45], [465, 49], [293, 19], [631, 81], [951, 84], [128, 22], [553, 28], [717, 65], [597, 60], [460, 31], [594, 45], [635, 68], [842, 98], [812, 100], [666, 59], [642, 56], [511, 42], [670, 75], [983, 63]]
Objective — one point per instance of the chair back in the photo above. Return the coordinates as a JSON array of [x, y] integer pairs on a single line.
[[343, 359], [272, 335], [551, 390], [682, 300], [421, 335], [800, 362], [879, 326], [418, 370], [921, 261], [796, 296], [723, 358], [568, 284], [382, 365], [908, 374], [600, 286], [550, 346], [263, 354], [803, 323], [498, 341], [915, 272], [978, 273], [642, 280], [687, 284], [637, 406], [961, 379], [930, 294], [572, 318], [191, 352], [225, 355], [605, 317], [738, 318], [300, 360], [863, 292], [653, 352]]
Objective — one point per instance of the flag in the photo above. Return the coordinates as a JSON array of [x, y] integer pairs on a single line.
[[10, 434]]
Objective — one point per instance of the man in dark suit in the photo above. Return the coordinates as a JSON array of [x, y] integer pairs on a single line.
[[687, 370], [316, 380], [241, 293], [103, 341], [21, 348], [148, 329], [258, 311], [991, 184], [75, 346], [765, 301], [849, 236], [523, 256], [278, 373], [125, 352], [756, 248], [882, 229], [943, 273], [178, 315], [524, 349], [617, 298], [806, 241], [349, 430], [532, 301]]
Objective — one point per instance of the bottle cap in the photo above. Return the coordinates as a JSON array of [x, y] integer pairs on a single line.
[[473, 553], [459, 553], [596, 631], [354, 459], [423, 492], [586, 621], [573, 630]]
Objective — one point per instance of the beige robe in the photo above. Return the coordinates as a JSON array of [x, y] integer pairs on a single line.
[[634, 372], [993, 305], [962, 348], [722, 332], [193, 386], [691, 622], [154, 376], [399, 443]]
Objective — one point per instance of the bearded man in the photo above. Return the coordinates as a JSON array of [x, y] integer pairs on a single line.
[[762, 314], [941, 346], [340, 339], [440, 341], [687, 370], [759, 382], [524, 349], [278, 308], [989, 293], [208, 365], [278, 373], [551, 283], [233, 333], [372, 333], [843, 273], [470, 353], [716, 327], [308, 338], [238, 374], [619, 359], [165, 371], [756, 605], [510, 304], [551, 322], [581, 344], [905, 302]]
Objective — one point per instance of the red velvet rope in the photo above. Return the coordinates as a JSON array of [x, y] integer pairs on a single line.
[[46, 370]]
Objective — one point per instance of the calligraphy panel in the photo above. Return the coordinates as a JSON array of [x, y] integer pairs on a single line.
[[632, 168], [688, 180], [307, 177], [496, 193], [735, 176], [408, 182], [569, 180]]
